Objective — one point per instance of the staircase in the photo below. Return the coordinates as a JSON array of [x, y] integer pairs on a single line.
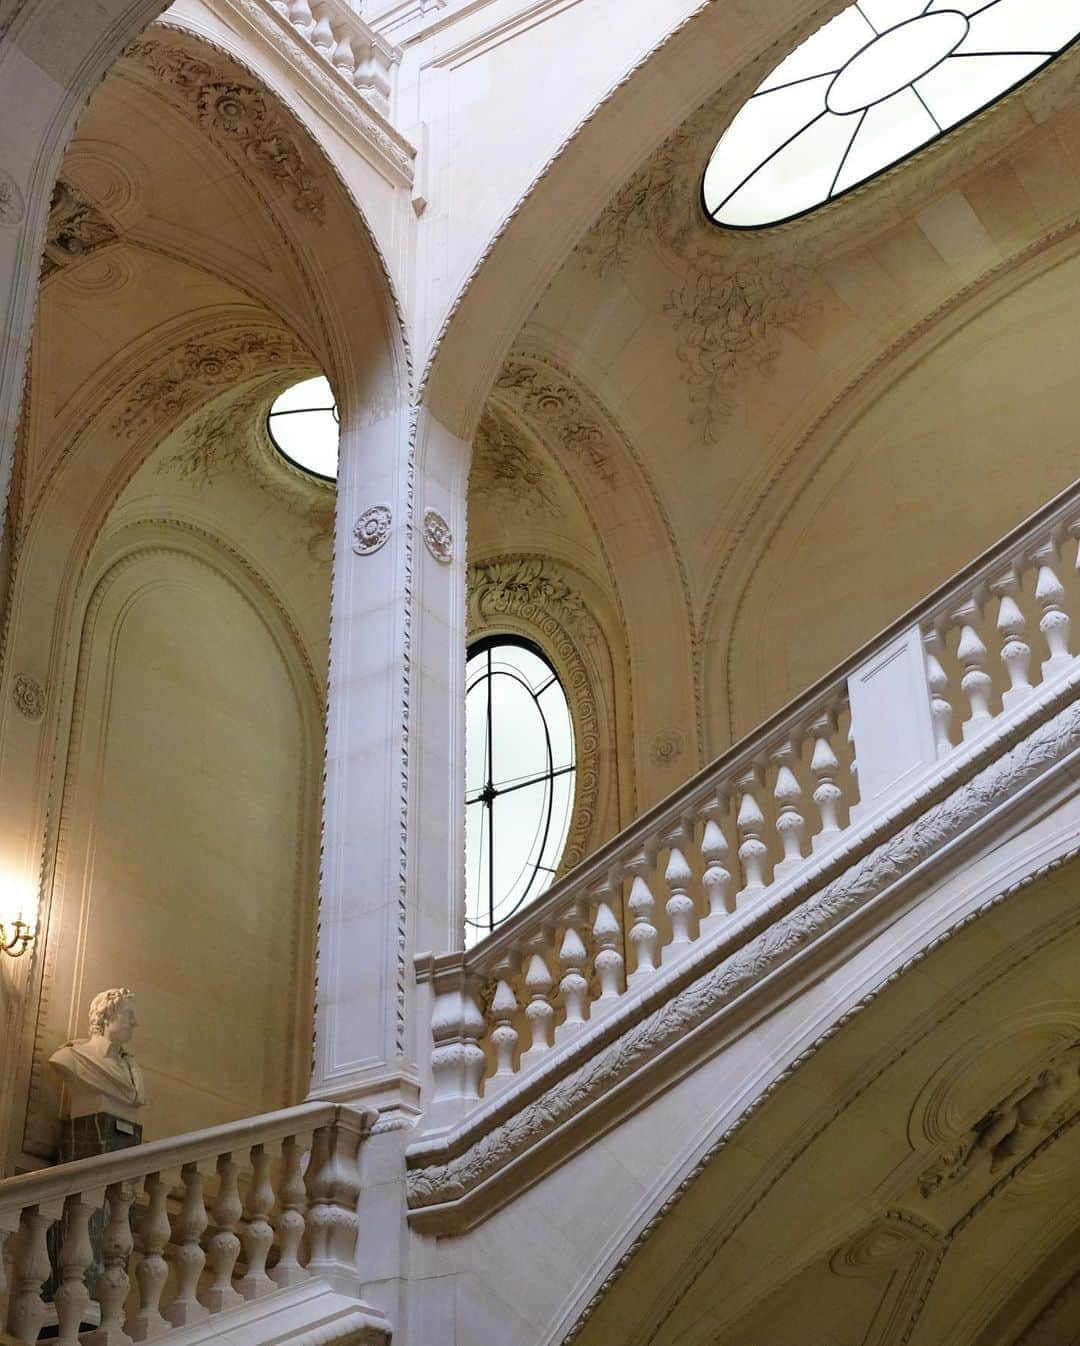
[[802, 867]]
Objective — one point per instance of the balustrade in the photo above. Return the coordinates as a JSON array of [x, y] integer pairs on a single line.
[[931, 686], [341, 37], [241, 1195]]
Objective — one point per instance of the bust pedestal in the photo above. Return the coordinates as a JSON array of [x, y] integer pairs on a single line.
[[96, 1133]]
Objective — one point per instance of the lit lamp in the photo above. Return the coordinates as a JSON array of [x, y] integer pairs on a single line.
[[16, 932]]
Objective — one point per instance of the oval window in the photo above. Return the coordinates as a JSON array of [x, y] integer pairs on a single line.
[[875, 84], [519, 761], [303, 425]]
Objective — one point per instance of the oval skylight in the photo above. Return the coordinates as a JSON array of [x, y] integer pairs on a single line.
[[876, 83], [303, 424]]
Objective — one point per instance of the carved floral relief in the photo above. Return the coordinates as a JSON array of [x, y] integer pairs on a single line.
[[76, 229], [241, 114]]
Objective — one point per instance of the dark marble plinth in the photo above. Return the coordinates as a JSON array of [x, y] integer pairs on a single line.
[[96, 1133]]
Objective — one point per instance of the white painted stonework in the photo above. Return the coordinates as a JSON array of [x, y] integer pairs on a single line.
[[787, 1049]]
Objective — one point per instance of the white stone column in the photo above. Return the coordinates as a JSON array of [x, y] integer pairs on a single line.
[[393, 832]]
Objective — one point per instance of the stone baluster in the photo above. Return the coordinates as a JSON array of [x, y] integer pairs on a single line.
[[152, 1272], [322, 35], [344, 58], [1054, 622], [607, 936], [790, 822], [293, 1218], [223, 1245], [975, 682], [72, 1297], [825, 769], [189, 1258], [258, 1235], [539, 1010], [113, 1283], [504, 1011], [937, 680], [574, 985], [1012, 627], [9, 1225], [680, 905], [301, 17], [30, 1270], [750, 823], [854, 768], [333, 1188], [714, 851], [642, 934]]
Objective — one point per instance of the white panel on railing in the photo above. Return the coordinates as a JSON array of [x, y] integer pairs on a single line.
[[890, 711]]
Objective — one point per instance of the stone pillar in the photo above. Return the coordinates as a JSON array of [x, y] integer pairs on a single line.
[[393, 834]]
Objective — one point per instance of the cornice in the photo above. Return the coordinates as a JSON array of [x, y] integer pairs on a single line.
[[461, 1176]]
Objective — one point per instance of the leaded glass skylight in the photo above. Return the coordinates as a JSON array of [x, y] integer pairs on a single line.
[[873, 85], [303, 424]]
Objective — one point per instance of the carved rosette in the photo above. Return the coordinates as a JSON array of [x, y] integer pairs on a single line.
[[239, 113], [438, 538], [667, 747], [372, 529], [29, 697]]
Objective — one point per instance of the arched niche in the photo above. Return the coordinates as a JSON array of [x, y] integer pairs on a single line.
[[182, 860]]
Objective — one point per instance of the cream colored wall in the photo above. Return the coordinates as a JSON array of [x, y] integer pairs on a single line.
[[958, 442], [187, 785]]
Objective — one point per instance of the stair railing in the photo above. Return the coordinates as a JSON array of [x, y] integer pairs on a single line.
[[955, 668]]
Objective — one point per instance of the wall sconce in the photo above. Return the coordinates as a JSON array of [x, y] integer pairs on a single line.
[[16, 932], [15, 936]]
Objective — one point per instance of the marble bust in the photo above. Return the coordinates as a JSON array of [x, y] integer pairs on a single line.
[[99, 1073]]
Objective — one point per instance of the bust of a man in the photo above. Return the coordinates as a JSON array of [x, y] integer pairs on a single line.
[[99, 1073]]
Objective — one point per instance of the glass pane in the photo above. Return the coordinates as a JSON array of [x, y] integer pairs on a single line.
[[908, 71], [476, 724], [519, 742], [518, 820], [520, 824], [303, 424]]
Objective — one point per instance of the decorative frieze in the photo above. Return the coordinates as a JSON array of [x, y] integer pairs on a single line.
[[240, 114], [505, 474], [184, 377], [76, 229], [559, 406]]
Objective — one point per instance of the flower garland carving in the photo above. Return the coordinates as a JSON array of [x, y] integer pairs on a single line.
[[372, 529], [561, 407], [438, 538], [29, 697], [187, 375], [239, 113], [76, 229], [12, 206], [505, 474]]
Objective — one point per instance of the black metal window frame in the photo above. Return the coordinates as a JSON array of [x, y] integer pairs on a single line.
[[490, 791], [887, 168]]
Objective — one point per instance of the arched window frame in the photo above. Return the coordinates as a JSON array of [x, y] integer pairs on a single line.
[[485, 644]]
